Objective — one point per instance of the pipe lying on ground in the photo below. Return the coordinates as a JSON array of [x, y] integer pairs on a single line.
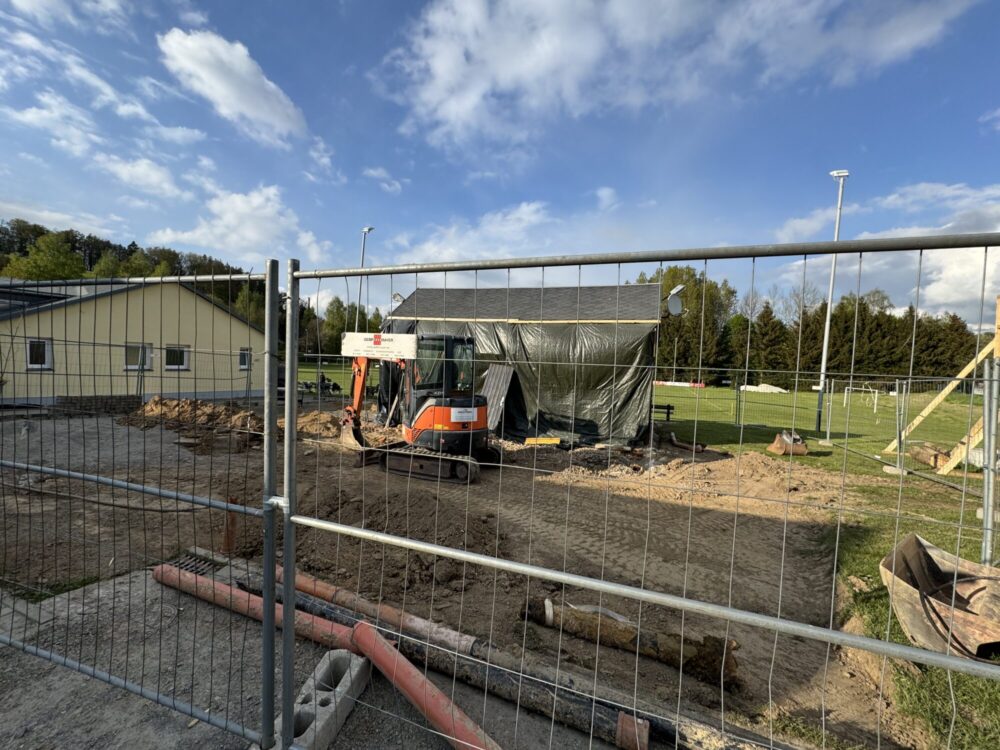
[[462, 732], [708, 659], [316, 629], [363, 639], [436, 634], [525, 681]]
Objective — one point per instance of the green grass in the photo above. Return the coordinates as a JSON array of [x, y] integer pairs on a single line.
[[868, 529], [339, 371], [864, 539], [712, 412]]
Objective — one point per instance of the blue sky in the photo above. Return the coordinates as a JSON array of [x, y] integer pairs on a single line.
[[481, 129]]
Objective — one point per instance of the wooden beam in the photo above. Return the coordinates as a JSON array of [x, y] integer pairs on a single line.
[[961, 451], [952, 385]]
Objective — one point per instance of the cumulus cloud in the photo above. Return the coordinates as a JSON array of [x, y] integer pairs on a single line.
[[247, 226], [495, 234], [72, 129], [386, 181], [224, 74], [804, 228], [495, 70], [143, 175]]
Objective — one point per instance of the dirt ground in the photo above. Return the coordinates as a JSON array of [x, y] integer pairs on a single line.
[[742, 530]]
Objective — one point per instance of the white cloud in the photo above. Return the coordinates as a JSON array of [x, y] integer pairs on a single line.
[[142, 174], [247, 226], [194, 17], [137, 203], [45, 12], [83, 222], [223, 73], [71, 128], [103, 16], [206, 163], [385, 180], [33, 159], [496, 71], [992, 119], [807, 227], [322, 158], [314, 249], [607, 198], [175, 134], [506, 232]]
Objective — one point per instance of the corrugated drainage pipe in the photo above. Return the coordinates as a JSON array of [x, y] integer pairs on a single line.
[[308, 626], [461, 731]]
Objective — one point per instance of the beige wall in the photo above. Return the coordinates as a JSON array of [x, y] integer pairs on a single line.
[[88, 348]]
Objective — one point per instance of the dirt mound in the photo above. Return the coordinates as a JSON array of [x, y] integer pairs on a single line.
[[199, 423], [391, 571], [316, 424], [190, 412]]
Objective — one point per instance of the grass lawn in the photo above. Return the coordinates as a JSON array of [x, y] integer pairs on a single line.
[[868, 528]]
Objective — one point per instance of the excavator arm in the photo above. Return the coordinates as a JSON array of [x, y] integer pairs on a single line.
[[359, 380]]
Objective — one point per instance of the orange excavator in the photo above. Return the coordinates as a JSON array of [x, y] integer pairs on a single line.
[[443, 420]]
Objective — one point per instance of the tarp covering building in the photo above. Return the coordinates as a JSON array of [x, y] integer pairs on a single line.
[[582, 357]]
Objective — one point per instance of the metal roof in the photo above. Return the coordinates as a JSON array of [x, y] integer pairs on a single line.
[[632, 303]]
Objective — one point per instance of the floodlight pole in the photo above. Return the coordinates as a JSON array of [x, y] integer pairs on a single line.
[[357, 310], [840, 175]]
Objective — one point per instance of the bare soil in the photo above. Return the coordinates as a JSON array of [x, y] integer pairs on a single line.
[[748, 531]]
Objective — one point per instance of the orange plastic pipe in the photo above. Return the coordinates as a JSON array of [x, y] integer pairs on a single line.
[[316, 629], [439, 635], [461, 731]]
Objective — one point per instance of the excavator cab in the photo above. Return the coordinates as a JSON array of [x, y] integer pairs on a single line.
[[444, 421], [441, 410]]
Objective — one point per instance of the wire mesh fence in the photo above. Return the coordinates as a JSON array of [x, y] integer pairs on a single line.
[[131, 436], [577, 512]]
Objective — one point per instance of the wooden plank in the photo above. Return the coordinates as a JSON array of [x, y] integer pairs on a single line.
[[960, 451], [945, 392], [541, 441]]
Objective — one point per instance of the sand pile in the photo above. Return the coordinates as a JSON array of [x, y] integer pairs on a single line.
[[174, 413], [316, 424]]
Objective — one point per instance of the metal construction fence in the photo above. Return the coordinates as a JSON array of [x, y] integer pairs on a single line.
[[627, 564]]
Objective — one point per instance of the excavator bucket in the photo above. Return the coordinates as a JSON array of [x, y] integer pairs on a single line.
[[352, 438], [788, 443]]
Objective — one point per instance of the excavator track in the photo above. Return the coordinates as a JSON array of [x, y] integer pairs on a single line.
[[414, 461]]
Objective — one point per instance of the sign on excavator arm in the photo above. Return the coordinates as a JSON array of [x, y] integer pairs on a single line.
[[379, 345]]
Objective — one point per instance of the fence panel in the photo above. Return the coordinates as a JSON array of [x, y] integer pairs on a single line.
[[604, 572], [131, 435]]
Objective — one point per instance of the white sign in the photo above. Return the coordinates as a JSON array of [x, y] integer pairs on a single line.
[[463, 414], [379, 345]]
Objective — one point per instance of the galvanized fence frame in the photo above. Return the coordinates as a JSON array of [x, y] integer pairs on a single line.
[[264, 512], [683, 603]]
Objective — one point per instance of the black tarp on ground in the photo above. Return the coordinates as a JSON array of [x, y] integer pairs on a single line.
[[583, 358]]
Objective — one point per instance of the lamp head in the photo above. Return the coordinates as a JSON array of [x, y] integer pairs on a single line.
[[366, 230], [839, 174]]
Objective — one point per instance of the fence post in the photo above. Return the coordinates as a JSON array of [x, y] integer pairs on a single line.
[[271, 315], [990, 383], [288, 550]]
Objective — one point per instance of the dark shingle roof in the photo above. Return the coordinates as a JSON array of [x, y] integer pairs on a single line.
[[631, 302]]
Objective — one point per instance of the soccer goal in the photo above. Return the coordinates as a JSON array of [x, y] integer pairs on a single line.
[[868, 393]]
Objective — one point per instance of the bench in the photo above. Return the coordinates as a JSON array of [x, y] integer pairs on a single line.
[[665, 409]]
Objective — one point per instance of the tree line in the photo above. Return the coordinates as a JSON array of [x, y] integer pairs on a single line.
[[769, 335], [33, 252], [772, 335]]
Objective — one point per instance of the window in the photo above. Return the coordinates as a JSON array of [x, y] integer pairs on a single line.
[[39, 354], [138, 356], [246, 357], [177, 358]]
